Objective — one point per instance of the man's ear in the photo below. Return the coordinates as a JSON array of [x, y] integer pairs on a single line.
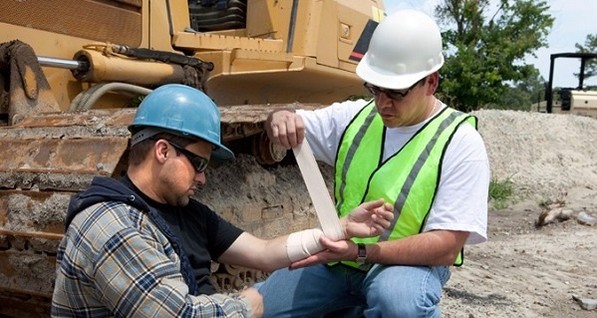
[[433, 81], [161, 150]]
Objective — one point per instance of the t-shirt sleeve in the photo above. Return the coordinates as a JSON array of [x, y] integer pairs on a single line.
[[462, 197], [221, 233]]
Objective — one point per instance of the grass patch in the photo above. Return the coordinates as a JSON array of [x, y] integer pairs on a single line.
[[500, 192]]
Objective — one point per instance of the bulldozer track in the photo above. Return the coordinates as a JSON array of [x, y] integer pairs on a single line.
[[48, 158]]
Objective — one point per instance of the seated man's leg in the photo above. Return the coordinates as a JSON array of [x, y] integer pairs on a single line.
[[309, 292], [404, 291]]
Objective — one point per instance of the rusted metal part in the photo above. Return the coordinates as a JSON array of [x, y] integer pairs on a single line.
[[233, 278], [15, 303], [257, 113], [28, 89], [266, 152], [102, 117], [97, 155], [47, 159], [29, 234]]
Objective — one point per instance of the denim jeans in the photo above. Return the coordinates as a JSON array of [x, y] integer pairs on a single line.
[[341, 291]]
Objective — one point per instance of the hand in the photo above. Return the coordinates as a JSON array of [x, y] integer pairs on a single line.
[[334, 251], [368, 219], [285, 128], [256, 300]]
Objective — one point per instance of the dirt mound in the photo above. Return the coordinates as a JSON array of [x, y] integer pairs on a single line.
[[544, 155]]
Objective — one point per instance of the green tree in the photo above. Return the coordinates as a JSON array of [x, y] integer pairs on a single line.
[[523, 95], [486, 47], [589, 47]]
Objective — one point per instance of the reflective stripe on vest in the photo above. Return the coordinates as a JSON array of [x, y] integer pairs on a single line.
[[361, 175]]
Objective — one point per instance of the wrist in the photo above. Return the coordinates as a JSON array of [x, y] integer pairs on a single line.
[[361, 257], [343, 225]]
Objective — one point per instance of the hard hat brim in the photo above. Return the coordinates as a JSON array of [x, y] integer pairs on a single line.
[[389, 80], [222, 153]]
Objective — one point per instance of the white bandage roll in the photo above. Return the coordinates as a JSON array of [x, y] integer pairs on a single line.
[[302, 244], [322, 201]]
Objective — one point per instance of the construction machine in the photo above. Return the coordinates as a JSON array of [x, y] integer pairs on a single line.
[[73, 71], [577, 100]]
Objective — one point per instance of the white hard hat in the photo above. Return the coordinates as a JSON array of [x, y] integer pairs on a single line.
[[405, 47]]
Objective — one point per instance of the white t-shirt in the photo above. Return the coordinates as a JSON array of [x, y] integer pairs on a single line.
[[461, 200]]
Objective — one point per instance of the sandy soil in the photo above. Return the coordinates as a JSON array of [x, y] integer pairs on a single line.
[[525, 270]]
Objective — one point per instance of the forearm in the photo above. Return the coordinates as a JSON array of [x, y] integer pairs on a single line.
[[297, 246], [269, 255], [275, 254], [429, 248]]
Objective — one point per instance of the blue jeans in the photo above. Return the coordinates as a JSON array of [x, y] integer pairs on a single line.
[[384, 291]]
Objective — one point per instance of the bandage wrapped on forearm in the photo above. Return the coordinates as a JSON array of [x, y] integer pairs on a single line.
[[302, 244]]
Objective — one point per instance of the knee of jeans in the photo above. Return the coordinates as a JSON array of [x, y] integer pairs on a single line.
[[404, 304], [399, 299]]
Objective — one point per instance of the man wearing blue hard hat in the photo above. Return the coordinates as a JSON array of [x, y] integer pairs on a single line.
[[129, 243]]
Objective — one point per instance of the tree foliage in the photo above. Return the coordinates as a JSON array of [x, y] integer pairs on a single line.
[[589, 47], [486, 46], [523, 95]]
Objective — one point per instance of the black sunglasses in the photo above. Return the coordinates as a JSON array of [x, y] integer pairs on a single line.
[[394, 94], [198, 162]]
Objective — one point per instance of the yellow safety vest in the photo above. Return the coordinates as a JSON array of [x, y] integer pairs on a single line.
[[408, 179]]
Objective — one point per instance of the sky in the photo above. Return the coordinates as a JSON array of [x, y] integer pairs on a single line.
[[574, 19]]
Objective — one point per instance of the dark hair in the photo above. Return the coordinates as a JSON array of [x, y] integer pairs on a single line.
[[138, 152]]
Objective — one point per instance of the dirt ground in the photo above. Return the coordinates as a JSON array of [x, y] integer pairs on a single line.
[[524, 270]]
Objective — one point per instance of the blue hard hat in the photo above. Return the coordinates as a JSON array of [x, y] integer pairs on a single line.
[[185, 111]]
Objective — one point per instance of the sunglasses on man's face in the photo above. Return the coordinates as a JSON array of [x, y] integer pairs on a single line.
[[198, 162], [395, 94]]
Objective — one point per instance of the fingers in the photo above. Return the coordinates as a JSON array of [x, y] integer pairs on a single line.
[[285, 128], [256, 300], [311, 260], [370, 205], [334, 251], [386, 212], [389, 207]]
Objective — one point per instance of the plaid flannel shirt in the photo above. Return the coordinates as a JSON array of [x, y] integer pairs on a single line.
[[114, 261]]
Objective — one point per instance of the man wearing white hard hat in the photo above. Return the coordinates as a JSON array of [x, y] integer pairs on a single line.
[[407, 147]]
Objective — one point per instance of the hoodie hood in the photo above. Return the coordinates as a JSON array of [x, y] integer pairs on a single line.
[[103, 189]]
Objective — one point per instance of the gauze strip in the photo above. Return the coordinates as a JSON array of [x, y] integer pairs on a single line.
[[322, 201], [302, 244]]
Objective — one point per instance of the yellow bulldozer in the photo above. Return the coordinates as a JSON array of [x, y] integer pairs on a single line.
[[73, 71]]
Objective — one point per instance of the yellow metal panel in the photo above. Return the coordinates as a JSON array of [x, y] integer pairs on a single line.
[[207, 41], [327, 52], [308, 24], [259, 19], [159, 25], [114, 21]]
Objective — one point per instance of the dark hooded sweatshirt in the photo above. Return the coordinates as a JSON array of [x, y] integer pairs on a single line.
[[196, 233]]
